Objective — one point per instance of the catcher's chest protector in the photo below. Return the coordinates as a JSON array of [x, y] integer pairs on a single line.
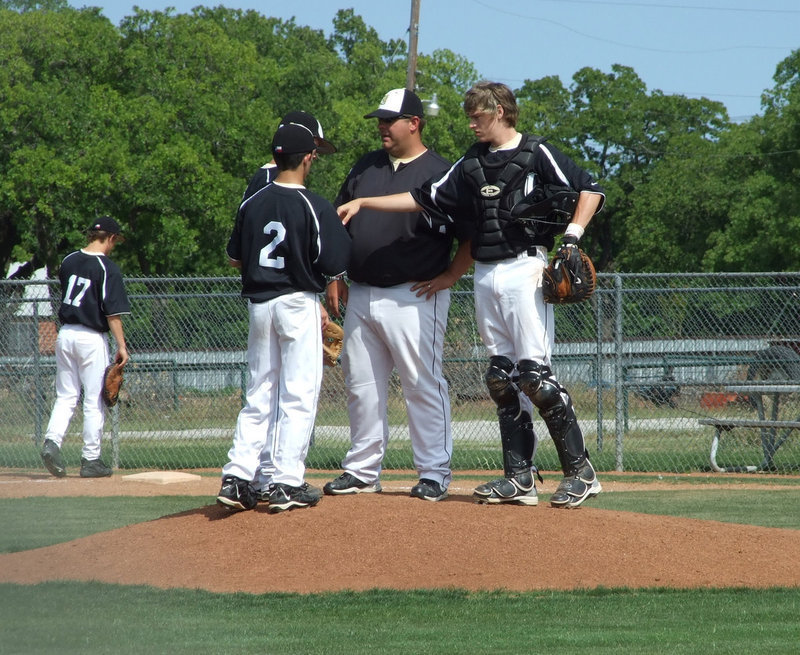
[[494, 202]]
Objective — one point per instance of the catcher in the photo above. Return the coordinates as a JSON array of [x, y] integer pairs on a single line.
[[497, 174]]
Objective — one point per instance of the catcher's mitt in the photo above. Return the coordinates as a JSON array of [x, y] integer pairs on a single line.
[[332, 342], [112, 383], [570, 277]]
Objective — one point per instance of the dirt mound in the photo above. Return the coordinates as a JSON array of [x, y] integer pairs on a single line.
[[392, 541]]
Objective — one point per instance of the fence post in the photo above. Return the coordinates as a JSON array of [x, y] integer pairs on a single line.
[[618, 355], [243, 382], [115, 437], [37, 377], [598, 368]]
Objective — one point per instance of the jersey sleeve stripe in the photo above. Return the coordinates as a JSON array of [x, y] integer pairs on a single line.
[[105, 277], [316, 223], [435, 186], [556, 167]]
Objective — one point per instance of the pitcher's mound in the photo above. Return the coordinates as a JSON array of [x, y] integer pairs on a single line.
[[392, 541]]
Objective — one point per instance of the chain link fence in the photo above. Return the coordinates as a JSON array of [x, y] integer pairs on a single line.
[[673, 373]]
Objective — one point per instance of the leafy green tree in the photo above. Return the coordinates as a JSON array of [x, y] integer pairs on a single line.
[[610, 124], [56, 67], [162, 120]]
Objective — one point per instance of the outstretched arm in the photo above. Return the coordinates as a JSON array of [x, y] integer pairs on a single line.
[[398, 202]]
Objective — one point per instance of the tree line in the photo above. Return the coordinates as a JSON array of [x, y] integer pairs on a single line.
[[161, 120]]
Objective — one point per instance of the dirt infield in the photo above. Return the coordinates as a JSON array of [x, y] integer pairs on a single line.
[[393, 541]]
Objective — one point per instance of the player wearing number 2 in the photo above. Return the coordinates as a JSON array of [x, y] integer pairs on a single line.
[[93, 302], [285, 240], [262, 178]]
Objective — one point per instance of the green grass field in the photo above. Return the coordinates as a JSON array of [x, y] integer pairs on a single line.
[[72, 617]]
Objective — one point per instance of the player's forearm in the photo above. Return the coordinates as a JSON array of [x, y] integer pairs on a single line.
[[461, 262], [115, 326], [398, 202], [588, 202]]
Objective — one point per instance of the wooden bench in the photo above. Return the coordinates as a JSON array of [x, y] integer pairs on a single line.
[[770, 441]]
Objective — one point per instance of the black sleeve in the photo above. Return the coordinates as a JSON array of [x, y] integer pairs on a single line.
[[554, 167], [115, 301], [234, 249], [450, 194], [334, 243]]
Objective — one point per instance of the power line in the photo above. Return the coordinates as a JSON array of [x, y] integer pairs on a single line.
[[668, 6], [627, 45]]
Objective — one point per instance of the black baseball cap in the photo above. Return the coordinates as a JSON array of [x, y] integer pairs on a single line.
[[398, 102], [107, 224], [291, 139], [324, 147]]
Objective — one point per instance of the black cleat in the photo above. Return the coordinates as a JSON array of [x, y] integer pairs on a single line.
[[285, 497], [347, 483], [94, 468], [428, 489], [576, 488], [51, 456], [237, 494], [518, 490]]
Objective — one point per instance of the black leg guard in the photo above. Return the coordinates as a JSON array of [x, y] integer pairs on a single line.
[[555, 407], [516, 430], [518, 439]]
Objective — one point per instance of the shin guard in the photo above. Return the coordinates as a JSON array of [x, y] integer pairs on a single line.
[[555, 407]]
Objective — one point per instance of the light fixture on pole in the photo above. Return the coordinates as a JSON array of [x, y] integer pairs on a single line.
[[431, 106]]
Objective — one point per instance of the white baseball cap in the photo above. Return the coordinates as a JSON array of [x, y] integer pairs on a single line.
[[398, 102]]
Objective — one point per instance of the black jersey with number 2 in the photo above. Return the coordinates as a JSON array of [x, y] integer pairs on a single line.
[[287, 239], [91, 289]]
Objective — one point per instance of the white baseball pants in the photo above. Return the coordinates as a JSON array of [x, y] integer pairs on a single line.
[[513, 319], [284, 355], [388, 328], [81, 360]]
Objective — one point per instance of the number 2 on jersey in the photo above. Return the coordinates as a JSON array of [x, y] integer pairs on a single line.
[[267, 256], [76, 290]]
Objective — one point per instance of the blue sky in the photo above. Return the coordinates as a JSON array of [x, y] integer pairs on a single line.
[[725, 50]]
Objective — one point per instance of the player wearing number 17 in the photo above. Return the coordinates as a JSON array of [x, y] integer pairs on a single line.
[[285, 241], [92, 304]]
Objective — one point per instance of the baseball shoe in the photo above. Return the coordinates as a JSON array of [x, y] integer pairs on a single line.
[[94, 468], [264, 492], [285, 497], [519, 490], [350, 484], [236, 494], [51, 457], [574, 489], [427, 489]]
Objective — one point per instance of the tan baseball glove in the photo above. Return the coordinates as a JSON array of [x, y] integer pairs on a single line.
[[332, 343], [112, 383], [570, 277]]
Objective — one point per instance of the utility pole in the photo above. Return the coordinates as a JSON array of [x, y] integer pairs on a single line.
[[413, 35]]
